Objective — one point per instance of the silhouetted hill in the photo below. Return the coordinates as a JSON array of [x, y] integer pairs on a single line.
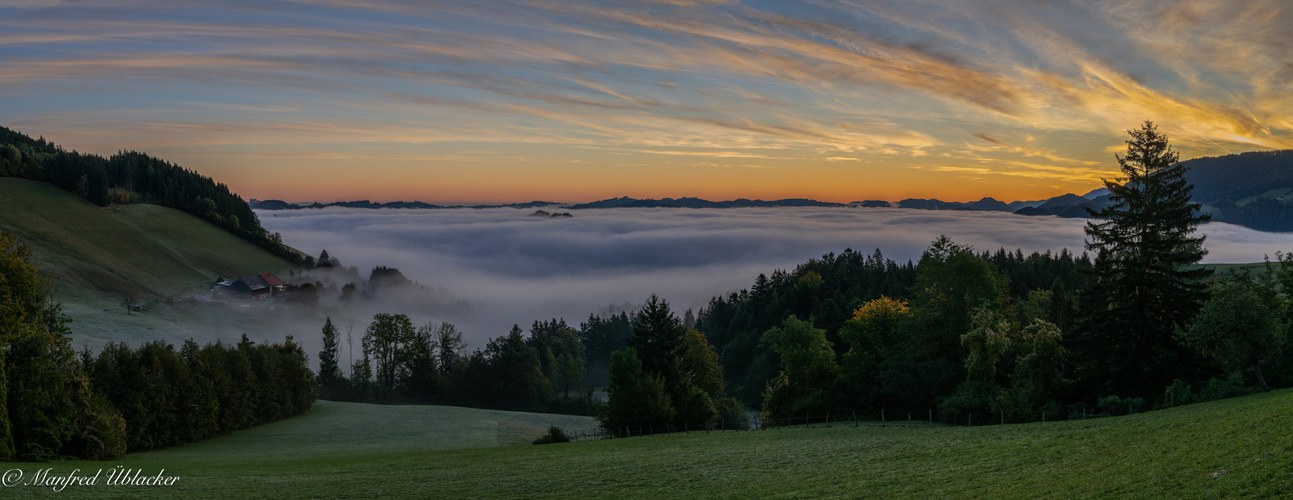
[[1062, 201], [283, 205], [923, 204], [989, 204], [1247, 189], [1096, 193], [1240, 176], [272, 205], [1032, 211]]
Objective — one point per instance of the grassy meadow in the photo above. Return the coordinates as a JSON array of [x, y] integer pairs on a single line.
[[93, 251], [94, 254], [1237, 447]]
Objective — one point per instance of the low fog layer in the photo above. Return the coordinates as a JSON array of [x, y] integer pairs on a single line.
[[496, 267]]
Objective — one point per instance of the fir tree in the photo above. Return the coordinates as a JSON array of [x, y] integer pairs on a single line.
[[330, 378], [1145, 283], [657, 337]]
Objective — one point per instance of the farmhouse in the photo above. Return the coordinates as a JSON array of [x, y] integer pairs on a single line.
[[252, 286], [275, 284]]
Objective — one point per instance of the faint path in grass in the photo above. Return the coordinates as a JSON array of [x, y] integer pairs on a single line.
[[350, 429]]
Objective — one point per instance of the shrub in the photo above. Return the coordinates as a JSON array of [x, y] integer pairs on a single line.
[[1229, 387], [554, 435]]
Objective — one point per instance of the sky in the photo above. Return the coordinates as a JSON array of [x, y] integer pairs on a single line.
[[575, 100], [492, 268]]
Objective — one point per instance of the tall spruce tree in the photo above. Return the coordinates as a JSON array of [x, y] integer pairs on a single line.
[[660, 354], [1144, 282], [331, 381], [658, 340]]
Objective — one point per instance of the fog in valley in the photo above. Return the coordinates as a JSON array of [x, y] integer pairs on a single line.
[[487, 269]]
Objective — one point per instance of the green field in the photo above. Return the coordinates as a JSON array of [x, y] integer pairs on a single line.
[[95, 255], [1237, 447], [153, 250]]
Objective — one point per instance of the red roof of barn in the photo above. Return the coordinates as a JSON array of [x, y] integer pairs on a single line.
[[270, 279]]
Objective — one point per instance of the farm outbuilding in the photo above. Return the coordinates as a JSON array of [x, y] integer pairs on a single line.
[[252, 286]]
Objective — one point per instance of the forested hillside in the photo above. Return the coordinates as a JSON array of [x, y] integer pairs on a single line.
[[133, 177], [1248, 189]]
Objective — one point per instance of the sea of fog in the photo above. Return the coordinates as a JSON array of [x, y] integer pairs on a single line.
[[502, 266]]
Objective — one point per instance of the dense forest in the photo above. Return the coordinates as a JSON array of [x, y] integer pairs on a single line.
[[134, 177], [55, 404], [827, 292], [550, 369]]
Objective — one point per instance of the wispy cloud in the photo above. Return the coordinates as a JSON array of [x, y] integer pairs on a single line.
[[814, 81]]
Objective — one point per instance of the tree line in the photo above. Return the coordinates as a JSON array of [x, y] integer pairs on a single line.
[[430, 364], [55, 404], [133, 177], [828, 291], [646, 356]]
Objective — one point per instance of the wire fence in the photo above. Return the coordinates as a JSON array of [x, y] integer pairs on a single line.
[[851, 419], [755, 423], [663, 429]]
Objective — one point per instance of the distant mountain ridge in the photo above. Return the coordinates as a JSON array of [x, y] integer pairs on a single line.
[[626, 202], [283, 205], [1247, 189]]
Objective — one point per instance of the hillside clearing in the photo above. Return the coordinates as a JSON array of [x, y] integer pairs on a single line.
[[97, 256]]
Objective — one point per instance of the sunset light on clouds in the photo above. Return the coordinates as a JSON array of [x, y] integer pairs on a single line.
[[576, 101]]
